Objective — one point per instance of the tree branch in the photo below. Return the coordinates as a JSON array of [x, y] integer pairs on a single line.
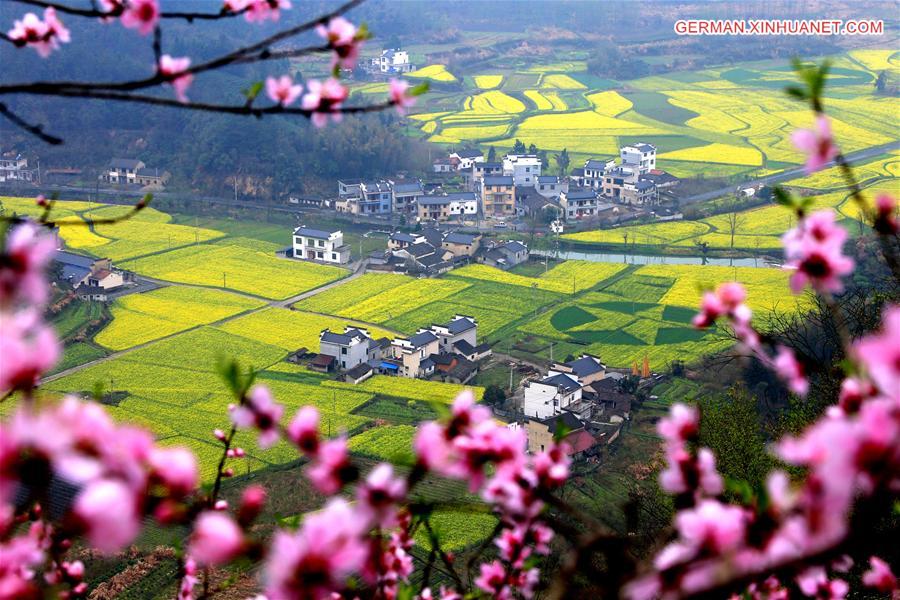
[[93, 12], [36, 130]]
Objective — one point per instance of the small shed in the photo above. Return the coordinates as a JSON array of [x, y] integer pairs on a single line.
[[358, 374], [323, 363]]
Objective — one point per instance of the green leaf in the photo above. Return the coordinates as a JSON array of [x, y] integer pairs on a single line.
[[253, 91], [796, 92], [420, 89], [783, 197]]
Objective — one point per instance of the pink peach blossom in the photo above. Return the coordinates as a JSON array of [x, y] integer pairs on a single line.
[[283, 90], [29, 349], [328, 470], [176, 468], [28, 251], [44, 36], [216, 539], [791, 371], [814, 252], [880, 576], [173, 69], [880, 353], [261, 412], [108, 509], [817, 143], [261, 10], [142, 15], [341, 35]]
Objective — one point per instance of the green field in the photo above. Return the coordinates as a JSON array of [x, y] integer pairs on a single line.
[[647, 312], [715, 121]]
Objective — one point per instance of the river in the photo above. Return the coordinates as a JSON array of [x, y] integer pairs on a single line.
[[650, 259]]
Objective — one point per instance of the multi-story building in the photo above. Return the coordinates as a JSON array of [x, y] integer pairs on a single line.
[[413, 355], [586, 369], [498, 196], [405, 195], [461, 244], [480, 170], [364, 197], [351, 348], [551, 395], [461, 328], [593, 171], [400, 240], [393, 61], [579, 203], [16, 169], [523, 168], [458, 205], [128, 171], [641, 157], [465, 158], [550, 186], [625, 184], [325, 246]]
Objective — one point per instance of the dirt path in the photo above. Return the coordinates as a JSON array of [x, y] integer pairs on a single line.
[[359, 270]]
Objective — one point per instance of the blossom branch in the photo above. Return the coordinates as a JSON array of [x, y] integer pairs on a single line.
[[96, 13], [35, 130]]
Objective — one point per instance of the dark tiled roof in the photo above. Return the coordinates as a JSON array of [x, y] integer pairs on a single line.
[[459, 325], [464, 347], [469, 153], [459, 238], [645, 147], [582, 194], [433, 235], [360, 370], [579, 172], [488, 165], [408, 188], [399, 236], [595, 163], [431, 260], [420, 339], [75, 260], [426, 364], [498, 180], [335, 338], [421, 249], [515, 246], [563, 381], [547, 179], [313, 233], [585, 366], [570, 421], [644, 184], [461, 196]]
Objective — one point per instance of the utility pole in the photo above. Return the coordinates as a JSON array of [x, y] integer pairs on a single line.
[[510, 376], [551, 351], [223, 280]]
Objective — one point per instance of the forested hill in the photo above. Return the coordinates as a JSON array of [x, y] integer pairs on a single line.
[[271, 156]]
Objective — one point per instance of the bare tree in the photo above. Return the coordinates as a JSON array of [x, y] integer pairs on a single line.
[[736, 220]]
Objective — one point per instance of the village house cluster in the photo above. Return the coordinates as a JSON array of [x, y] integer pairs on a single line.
[[90, 278], [448, 352], [580, 396], [130, 171]]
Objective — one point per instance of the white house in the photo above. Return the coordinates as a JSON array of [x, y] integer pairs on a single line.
[[351, 348], [405, 195], [364, 197], [393, 61], [641, 157], [550, 395], [579, 203], [16, 169], [451, 206], [594, 168], [586, 369], [460, 328], [466, 158], [315, 244], [523, 168], [413, 354]]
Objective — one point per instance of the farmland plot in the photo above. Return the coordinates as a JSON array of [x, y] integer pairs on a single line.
[[236, 267], [403, 387], [567, 278], [140, 318]]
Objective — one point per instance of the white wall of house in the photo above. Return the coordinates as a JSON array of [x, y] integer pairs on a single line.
[[642, 157], [347, 356], [524, 169], [331, 250], [543, 401]]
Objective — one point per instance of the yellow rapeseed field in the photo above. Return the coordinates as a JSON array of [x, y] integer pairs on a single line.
[[561, 82], [435, 72], [487, 82], [717, 153]]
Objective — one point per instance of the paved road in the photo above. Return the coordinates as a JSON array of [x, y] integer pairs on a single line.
[[359, 269], [852, 157]]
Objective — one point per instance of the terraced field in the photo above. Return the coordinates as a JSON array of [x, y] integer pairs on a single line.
[[717, 121]]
